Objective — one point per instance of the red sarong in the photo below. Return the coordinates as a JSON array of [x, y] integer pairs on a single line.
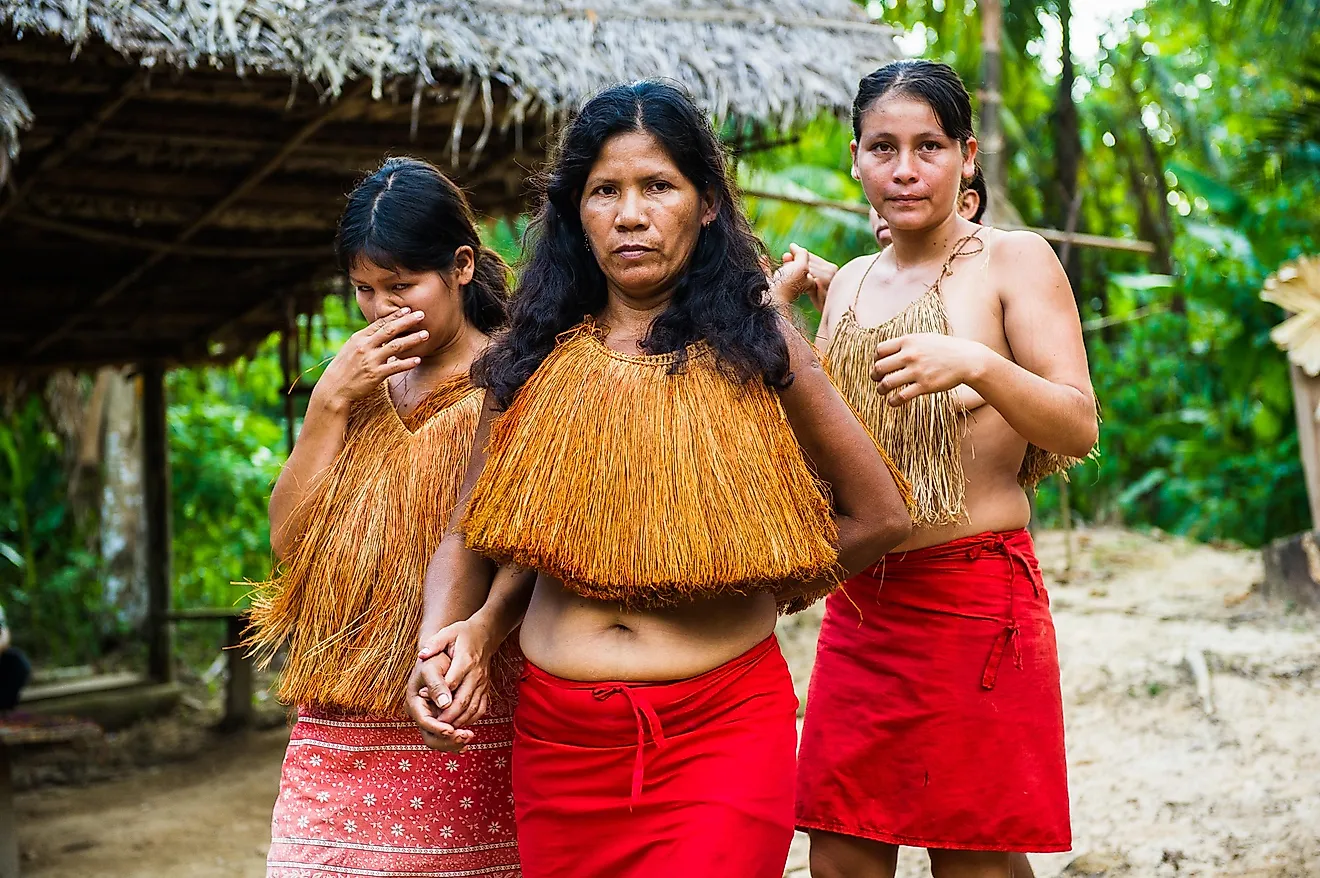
[[934, 717], [642, 780], [363, 796]]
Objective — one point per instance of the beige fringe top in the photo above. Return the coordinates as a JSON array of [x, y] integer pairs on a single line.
[[637, 486], [924, 436], [348, 600]]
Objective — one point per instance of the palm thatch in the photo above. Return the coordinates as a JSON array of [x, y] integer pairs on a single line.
[[188, 158], [1295, 288], [773, 62], [15, 115]]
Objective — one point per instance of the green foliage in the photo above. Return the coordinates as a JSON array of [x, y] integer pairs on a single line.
[[1206, 119]]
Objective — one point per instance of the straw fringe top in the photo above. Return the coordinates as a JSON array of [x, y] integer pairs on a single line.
[[637, 485]]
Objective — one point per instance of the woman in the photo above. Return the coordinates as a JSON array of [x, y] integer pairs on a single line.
[[663, 451], [934, 716], [355, 516]]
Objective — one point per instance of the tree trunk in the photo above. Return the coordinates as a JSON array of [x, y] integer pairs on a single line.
[[992, 138], [123, 526], [1068, 152]]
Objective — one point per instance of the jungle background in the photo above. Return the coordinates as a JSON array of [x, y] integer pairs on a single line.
[[1192, 124]]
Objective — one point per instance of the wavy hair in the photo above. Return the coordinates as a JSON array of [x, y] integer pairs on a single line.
[[721, 297]]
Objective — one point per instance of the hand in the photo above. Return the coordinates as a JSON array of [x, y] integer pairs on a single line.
[[469, 646], [373, 354], [821, 272], [929, 362], [425, 698], [793, 277]]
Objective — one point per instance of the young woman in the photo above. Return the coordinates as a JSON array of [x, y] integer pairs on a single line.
[[934, 717], [355, 517], [669, 457]]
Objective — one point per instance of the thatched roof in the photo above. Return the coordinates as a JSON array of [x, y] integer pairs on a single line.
[[182, 148]]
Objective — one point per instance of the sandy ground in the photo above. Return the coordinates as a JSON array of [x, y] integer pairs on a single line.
[[1160, 787]]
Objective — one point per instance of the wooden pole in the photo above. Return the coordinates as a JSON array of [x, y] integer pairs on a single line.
[[1306, 400], [156, 491], [1054, 236]]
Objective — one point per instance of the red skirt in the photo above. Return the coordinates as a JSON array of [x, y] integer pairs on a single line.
[[641, 780], [934, 717], [364, 796]]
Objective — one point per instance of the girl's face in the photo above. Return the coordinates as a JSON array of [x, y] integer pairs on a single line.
[[438, 295], [909, 168]]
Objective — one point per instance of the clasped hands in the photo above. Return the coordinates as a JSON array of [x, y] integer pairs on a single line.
[[449, 689]]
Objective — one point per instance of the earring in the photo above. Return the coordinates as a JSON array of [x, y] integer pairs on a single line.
[[586, 242]]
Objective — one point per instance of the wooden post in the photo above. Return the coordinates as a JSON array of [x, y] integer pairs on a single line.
[[238, 694], [8, 823], [1306, 399], [156, 491], [1292, 564]]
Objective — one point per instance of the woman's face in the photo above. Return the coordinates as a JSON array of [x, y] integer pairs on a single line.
[[910, 169], [642, 218], [438, 295]]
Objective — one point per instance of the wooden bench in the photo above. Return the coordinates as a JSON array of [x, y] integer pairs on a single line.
[[239, 687], [26, 730]]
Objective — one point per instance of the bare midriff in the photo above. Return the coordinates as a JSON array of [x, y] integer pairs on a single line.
[[992, 454], [592, 641]]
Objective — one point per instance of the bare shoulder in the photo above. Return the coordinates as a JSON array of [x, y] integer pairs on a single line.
[[1018, 249], [850, 273], [843, 290]]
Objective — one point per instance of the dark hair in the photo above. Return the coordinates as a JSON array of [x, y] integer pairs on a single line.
[[407, 214], [977, 185], [720, 299], [932, 82]]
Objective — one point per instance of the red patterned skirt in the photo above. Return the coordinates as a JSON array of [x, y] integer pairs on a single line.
[[934, 717], [365, 797]]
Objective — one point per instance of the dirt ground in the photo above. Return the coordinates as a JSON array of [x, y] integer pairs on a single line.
[[1161, 786]]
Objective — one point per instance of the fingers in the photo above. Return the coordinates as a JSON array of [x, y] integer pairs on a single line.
[[477, 707], [393, 366], [469, 702], [889, 348], [894, 380], [393, 324], [801, 256], [438, 642], [459, 668], [433, 676], [404, 342]]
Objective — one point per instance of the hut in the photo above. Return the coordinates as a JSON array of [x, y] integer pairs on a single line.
[[183, 162]]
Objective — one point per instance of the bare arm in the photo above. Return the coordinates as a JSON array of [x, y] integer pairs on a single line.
[[1046, 395], [1044, 392], [868, 508], [457, 584], [369, 357]]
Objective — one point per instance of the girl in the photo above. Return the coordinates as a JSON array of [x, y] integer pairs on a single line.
[[934, 717], [355, 516]]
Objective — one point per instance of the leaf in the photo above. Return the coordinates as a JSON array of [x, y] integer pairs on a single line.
[[10, 554]]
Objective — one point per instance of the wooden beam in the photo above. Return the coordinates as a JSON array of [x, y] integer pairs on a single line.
[[77, 139], [1054, 235], [99, 236], [156, 491], [250, 182]]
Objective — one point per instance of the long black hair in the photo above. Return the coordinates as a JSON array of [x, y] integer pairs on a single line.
[[721, 298], [406, 214], [931, 82]]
